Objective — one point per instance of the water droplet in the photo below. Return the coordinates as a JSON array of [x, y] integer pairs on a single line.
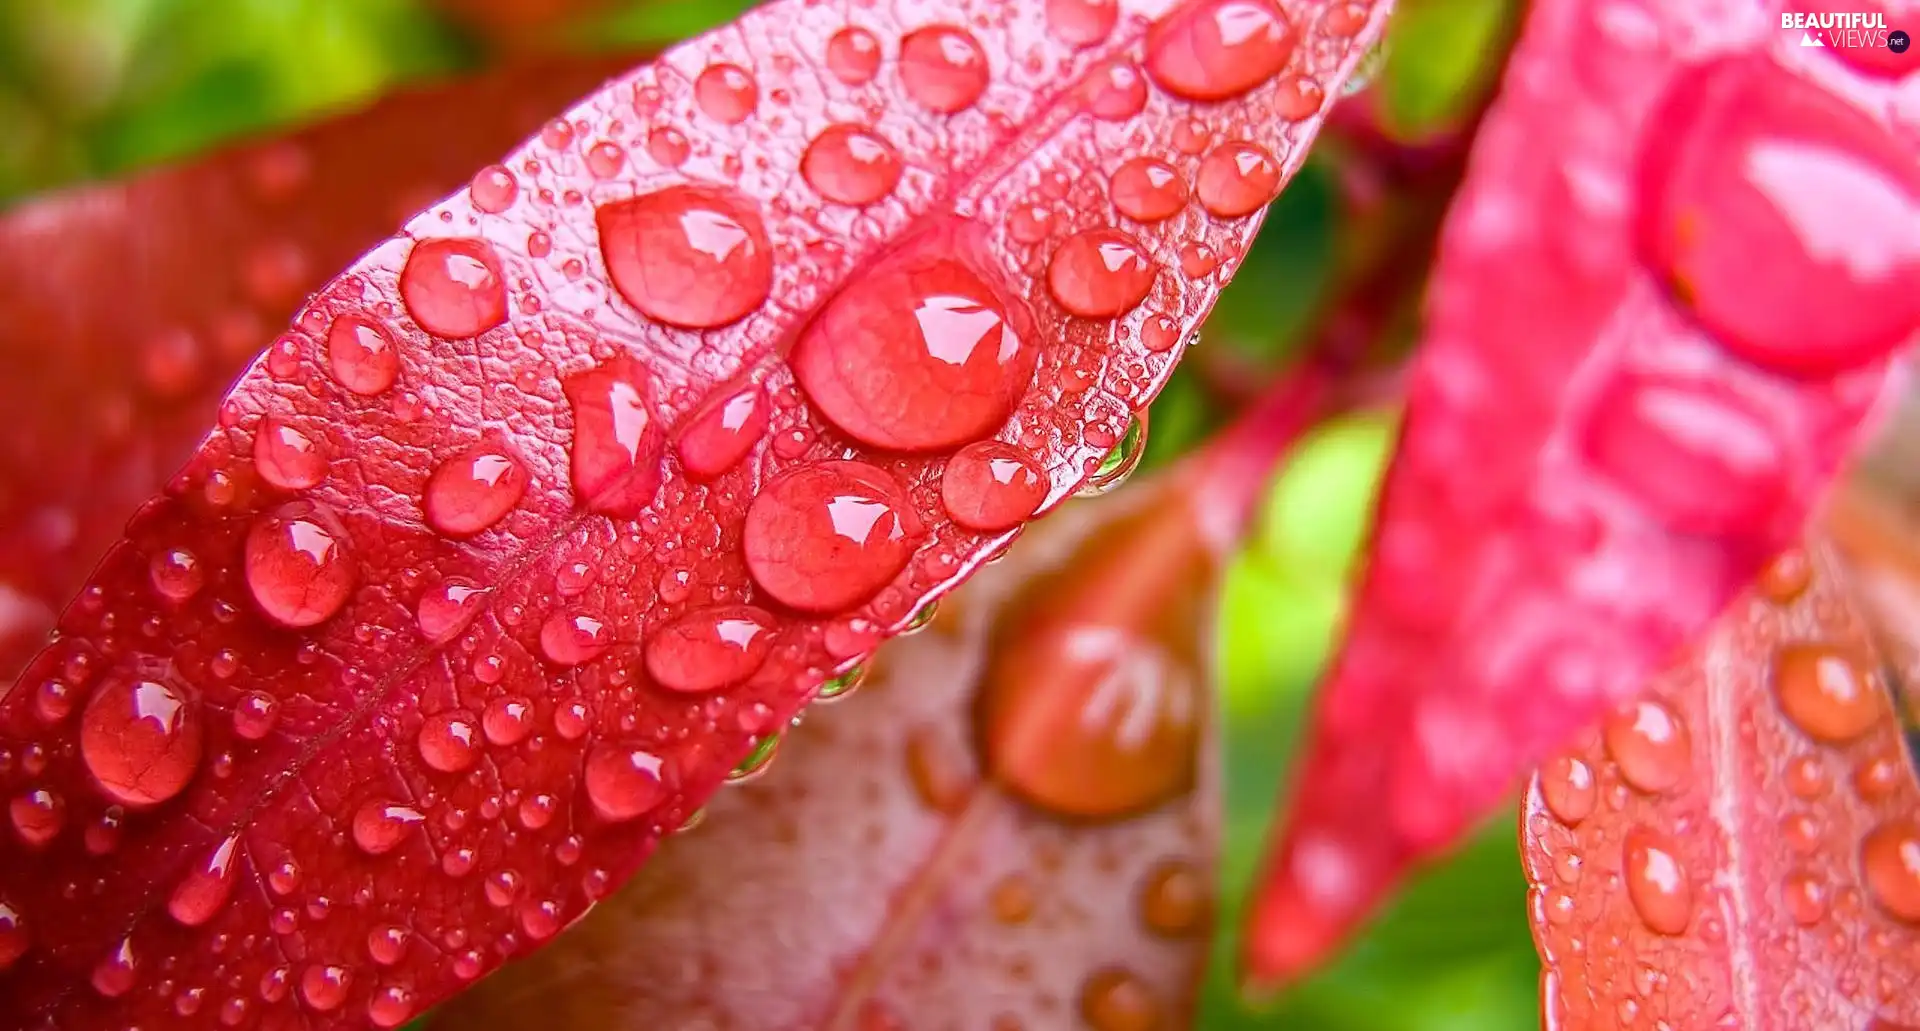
[[1115, 91], [474, 490], [726, 93], [1236, 179], [715, 438], [507, 721], [616, 440], [623, 783], [15, 937], [691, 256], [1012, 900], [668, 146], [1082, 23], [177, 574], [1700, 457], [1649, 743], [1806, 898], [115, 975], [605, 159], [842, 685], [206, 887], [447, 607], [1113, 999], [1218, 49], [391, 1005], [1824, 693], [710, 649], [141, 739], [297, 565], [286, 457], [1782, 216], [1175, 901], [1656, 882], [493, 189], [557, 134], [454, 287], [825, 537], [380, 826], [853, 55], [1159, 333], [1148, 190], [757, 761], [1890, 861], [571, 638], [324, 987], [502, 887], [449, 741], [991, 486], [1567, 785], [940, 772], [943, 68], [923, 355], [1100, 273], [387, 945], [1120, 462], [1786, 578], [362, 356], [848, 164]]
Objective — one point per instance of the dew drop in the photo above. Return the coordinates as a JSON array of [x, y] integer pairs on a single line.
[[710, 649], [1298, 97], [115, 975], [1786, 578], [825, 537], [1890, 861], [1824, 692], [493, 189], [668, 146], [1649, 743], [1115, 91], [15, 937], [943, 68], [757, 761], [623, 783], [379, 826], [141, 739], [717, 437], [1656, 882], [474, 490], [690, 256], [605, 159], [1120, 462], [297, 566], [1175, 901], [1567, 785], [447, 607], [1236, 179], [1806, 899], [206, 887], [507, 721], [387, 945], [853, 55], [362, 356], [454, 287], [449, 741], [1702, 459], [991, 486], [940, 773], [324, 987], [1113, 999], [1082, 23], [502, 887], [176, 574], [286, 457], [391, 1006], [571, 638], [1217, 49], [848, 164], [616, 439], [1159, 333], [921, 356], [1100, 273], [1148, 190], [726, 93]]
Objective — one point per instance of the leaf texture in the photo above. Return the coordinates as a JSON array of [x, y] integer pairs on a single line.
[[546, 512], [1638, 373]]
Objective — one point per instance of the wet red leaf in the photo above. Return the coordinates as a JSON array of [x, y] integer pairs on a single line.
[[365, 630], [1641, 366], [1737, 849], [127, 309]]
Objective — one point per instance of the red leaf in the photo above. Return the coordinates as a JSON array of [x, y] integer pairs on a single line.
[[1735, 850], [1656, 328], [361, 704], [127, 309]]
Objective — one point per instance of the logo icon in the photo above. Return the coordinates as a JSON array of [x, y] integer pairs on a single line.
[[1809, 40], [1898, 41]]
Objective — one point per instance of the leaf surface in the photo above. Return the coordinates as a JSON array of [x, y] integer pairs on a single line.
[[547, 511], [1638, 373]]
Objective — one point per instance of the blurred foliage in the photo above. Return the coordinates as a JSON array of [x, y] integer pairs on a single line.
[[90, 88]]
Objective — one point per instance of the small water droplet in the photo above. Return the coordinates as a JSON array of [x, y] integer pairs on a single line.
[[507, 721], [206, 887], [757, 761], [853, 55], [1175, 901], [362, 356], [1649, 743], [1217, 49], [1114, 999], [474, 490], [297, 566], [1806, 899], [502, 887], [324, 987], [690, 256], [1567, 785], [1656, 881], [726, 93], [571, 638], [1890, 862], [605, 159], [453, 287], [450, 741], [141, 739], [623, 783], [115, 975], [387, 945], [177, 574], [15, 936], [710, 649], [286, 457], [716, 438], [381, 826], [616, 439], [1120, 462], [493, 189], [943, 68], [1148, 190], [1082, 23], [1237, 179], [1100, 273], [447, 607], [1786, 578], [991, 486], [391, 1006], [1824, 693], [825, 537], [1115, 91], [668, 146], [849, 164], [1298, 97]]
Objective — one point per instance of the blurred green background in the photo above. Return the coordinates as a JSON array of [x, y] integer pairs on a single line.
[[92, 88]]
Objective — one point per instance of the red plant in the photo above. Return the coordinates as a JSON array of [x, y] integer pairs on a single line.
[[551, 512]]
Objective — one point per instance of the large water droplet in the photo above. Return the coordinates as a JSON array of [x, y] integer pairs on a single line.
[[207, 885], [1100, 273], [692, 256], [380, 826], [176, 574], [1656, 881], [1823, 691], [616, 439], [362, 356], [1148, 190], [1890, 861], [1114, 999], [286, 457], [716, 437], [493, 189], [1567, 786], [1701, 458], [1783, 217], [992, 486], [297, 564], [450, 741], [571, 638], [141, 739], [943, 68], [15, 936], [387, 944], [1218, 49], [1236, 179], [391, 1005], [453, 287], [447, 607], [507, 721], [1649, 743], [923, 355], [1175, 901], [853, 55], [324, 986], [710, 649], [849, 164], [623, 783], [726, 93], [474, 490], [1082, 23], [38, 816], [115, 975], [825, 537]]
